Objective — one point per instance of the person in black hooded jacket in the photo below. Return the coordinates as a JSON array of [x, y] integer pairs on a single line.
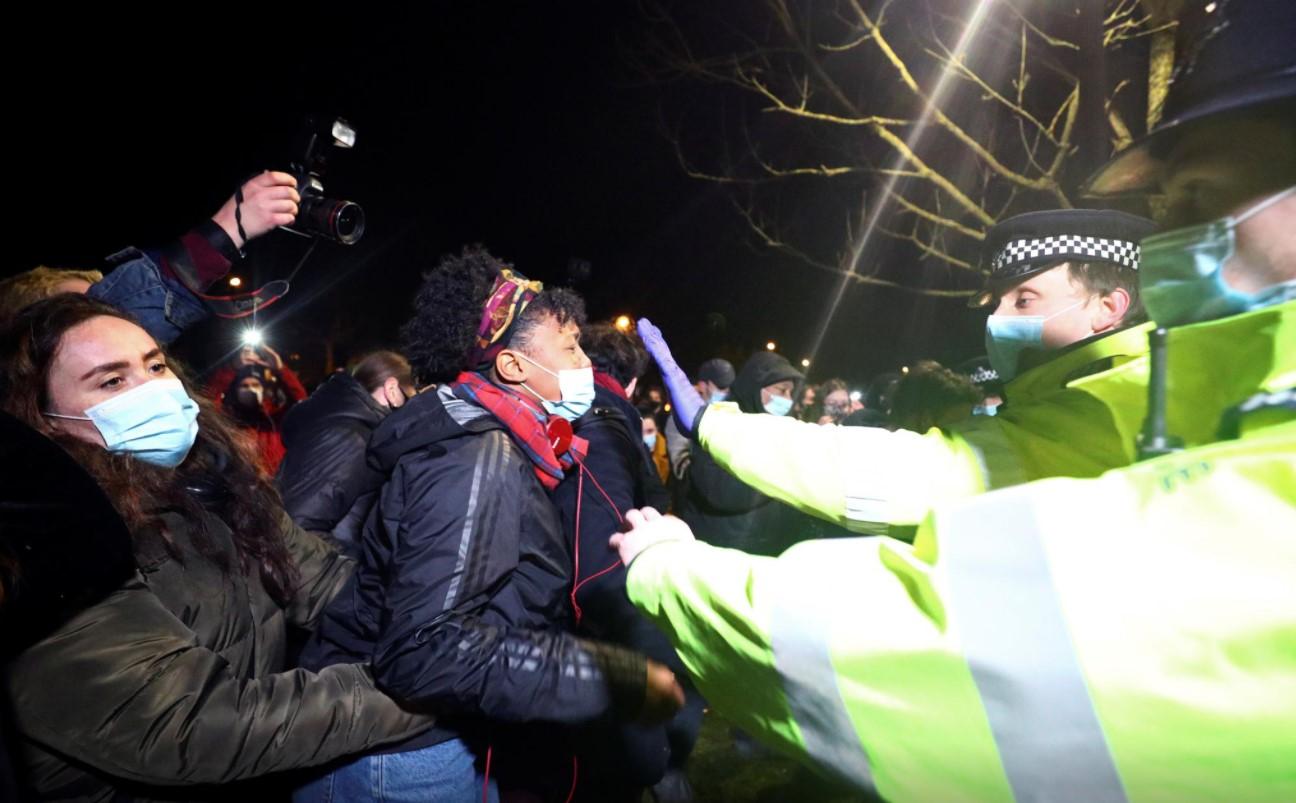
[[326, 484], [618, 475], [719, 507]]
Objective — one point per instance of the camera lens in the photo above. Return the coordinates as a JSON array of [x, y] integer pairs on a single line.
[[342, 221], [348, 222]]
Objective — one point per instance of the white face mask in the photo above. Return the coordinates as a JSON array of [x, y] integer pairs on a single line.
[[156, 422], [576, 386], [1007, 336]]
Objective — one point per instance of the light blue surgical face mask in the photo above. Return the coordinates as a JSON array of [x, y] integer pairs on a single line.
[[650, 441], [576, 386], [719, 395], [1007, 336], [1183, 271], [985, 409], [156, 422], [778, 405]]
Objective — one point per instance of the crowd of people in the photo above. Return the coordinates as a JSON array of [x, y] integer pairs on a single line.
[[496, 564]]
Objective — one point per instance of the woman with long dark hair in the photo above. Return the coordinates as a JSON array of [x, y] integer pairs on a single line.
[[175, 679]]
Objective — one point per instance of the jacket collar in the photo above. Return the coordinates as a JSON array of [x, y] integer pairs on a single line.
[[1213, 367], [1087, 357]]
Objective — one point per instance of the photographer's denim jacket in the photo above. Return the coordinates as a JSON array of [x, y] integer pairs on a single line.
[[149, 285], [162, 305]]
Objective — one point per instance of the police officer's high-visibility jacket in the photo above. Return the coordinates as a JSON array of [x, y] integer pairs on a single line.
[[1129, 637], [1062, 419]]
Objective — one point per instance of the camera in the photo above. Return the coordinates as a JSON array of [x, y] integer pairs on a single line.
[[319, 215]]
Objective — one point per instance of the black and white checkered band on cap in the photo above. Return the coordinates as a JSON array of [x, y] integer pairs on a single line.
[[1066, 246], [1031, 242], [982, 374]]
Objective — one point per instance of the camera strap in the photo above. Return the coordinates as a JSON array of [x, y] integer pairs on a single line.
[[238, 218], [244, 304]]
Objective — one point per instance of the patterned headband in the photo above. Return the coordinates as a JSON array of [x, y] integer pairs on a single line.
[[510, 295]]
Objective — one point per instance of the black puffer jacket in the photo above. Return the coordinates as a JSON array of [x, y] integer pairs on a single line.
[[722, 509], [324, 478], [174, 682], [619, 466], [461, 597], [63, 548], [619, 475], [62, 545]]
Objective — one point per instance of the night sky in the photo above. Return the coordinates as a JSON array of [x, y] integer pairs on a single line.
[[522, 127]]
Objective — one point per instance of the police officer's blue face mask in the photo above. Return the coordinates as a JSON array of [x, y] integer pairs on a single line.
[[156, 422], [1183, 271], [576, 386], [1007, 336]]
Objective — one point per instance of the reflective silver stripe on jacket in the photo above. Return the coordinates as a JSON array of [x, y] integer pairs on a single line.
[[799, 638], [1018, 647]]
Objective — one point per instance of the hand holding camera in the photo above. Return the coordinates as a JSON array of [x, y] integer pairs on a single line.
[[270, 200], [295, 200]]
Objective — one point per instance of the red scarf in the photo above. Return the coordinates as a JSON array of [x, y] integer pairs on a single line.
[[609, 382], [527, 423]]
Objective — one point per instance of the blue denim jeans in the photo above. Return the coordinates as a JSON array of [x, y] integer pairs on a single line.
[[162, 305], [442, 773]]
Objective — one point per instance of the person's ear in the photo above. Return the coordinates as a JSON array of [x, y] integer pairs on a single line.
[[392, 390], [510, 367], [1111, 309]]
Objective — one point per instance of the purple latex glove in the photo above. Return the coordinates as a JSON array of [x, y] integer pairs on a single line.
[[687, 403]]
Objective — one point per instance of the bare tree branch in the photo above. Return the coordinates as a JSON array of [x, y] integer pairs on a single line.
[[931, 250], [801, 109], [926, 172], [768, 238], [938, 219], [1045, 183], [803, 76], [1053, 41], [959, 68]]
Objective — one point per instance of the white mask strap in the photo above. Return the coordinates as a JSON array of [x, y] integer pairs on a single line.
[[1067, 309], [1265, 204], [537, 365], [68, 417]]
